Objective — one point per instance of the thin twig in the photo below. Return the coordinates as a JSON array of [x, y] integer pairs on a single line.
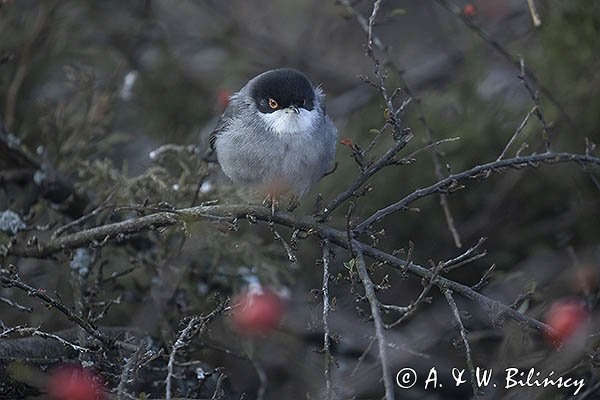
[[263, 380], [484, 278], [363, 274], [522, 126], [435, 154], [195, 327], [478, 171], [326, 309], [468, 22], [408, 311], [62, 341], [15, 305], [128, 371], [288, 250], [466, 257], [364, 176], [535, 17], [463, 335], [41, 294], [536, 101], [376, 6]]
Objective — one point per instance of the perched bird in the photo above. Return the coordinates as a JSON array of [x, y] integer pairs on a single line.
[[275, 136]]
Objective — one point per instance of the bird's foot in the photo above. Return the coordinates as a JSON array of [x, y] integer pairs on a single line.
[[294, 203], [271, 201]]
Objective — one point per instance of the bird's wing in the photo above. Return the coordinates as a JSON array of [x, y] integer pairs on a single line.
[[224, 122]]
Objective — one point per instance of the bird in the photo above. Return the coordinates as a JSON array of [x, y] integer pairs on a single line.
[[275, 135]]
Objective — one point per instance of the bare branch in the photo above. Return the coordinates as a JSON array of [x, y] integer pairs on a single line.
[[535, 16], [463, 335], [306, 224], [195, 327], [409, 310], [364, 176], [16, 282], [468, 256], [456, 11], [522, 126], [536, 101], [15, 305], [363, 274], [478, 171], [326, 309], [435, 154]]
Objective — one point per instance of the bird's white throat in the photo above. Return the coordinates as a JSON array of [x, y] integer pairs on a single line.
[[286, 121]]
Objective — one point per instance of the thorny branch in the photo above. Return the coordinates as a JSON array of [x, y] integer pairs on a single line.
[[463, 335], [435, 153], [195, 327], [450, 183], [486, 37], [363, 274], [14, 281], [409, 310], [30, 331], [306, 224], [326, 309]]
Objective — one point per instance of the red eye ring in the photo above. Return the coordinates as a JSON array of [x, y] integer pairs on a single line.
[[273, 104]]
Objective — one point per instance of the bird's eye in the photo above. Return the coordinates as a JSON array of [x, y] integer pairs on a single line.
[[273, 104]]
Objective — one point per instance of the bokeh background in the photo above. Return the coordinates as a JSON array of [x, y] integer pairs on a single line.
[[94, 88]]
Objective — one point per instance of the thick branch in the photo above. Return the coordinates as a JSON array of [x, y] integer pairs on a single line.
[[307, 224]]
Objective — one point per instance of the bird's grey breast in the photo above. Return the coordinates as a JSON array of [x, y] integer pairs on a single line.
[[251, 153]]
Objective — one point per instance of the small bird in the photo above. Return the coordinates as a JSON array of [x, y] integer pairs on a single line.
[[275, 136]]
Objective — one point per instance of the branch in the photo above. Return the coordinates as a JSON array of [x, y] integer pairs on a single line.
[[15, 305], [258, 213], [195, 327], [385, 160], [454, 9], [326, 309], [463, 335], [15, 281], [435, 153], [363, 274], [479, 171], [517, 132]]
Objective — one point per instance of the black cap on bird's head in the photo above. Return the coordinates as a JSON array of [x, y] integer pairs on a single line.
[[282, 88]]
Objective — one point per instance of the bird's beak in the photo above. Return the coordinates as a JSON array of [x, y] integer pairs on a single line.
[[294, 109]]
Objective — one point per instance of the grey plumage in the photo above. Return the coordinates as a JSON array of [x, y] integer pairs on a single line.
[[287, 150]]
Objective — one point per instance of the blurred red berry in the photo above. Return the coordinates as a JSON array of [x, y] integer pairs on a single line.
[[223, 98], [347, 142], [469, 10], [74, 383], [257, 312], [567, 317]]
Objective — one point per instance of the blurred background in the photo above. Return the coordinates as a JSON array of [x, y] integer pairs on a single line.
[[92, 91]]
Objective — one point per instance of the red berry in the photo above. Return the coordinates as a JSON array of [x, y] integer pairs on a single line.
[[74, 383], [257, 313], [346, 142], [567, 317], [469, 10]]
